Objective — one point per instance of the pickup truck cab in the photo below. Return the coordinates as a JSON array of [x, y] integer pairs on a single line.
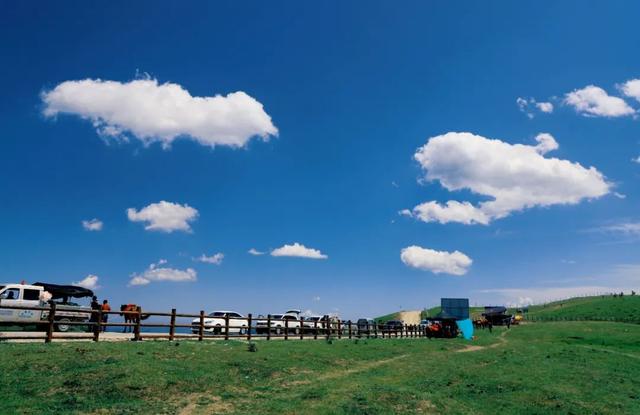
[[216, 321], [35, 295]]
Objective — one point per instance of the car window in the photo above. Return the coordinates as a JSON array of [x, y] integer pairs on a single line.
[[31, 294], [216, 314], [277, 316], [11, 294], [234, 315]]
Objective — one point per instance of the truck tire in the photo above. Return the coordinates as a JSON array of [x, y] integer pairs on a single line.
[[62, 325]]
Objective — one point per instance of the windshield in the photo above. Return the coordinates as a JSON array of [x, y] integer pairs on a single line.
[[216, 314]]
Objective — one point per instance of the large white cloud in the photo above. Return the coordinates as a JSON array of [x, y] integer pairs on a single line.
[[438, 262], [298, 250], [151, 112], [156, 272], [94, 225], [512, 176], [164, 216], [90, 282], [595, 102]]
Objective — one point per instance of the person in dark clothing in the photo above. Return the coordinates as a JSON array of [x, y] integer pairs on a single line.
[[105, 316], [95, 307]]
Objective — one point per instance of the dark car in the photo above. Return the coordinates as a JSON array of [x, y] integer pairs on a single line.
[[394, 326], [365, 325]]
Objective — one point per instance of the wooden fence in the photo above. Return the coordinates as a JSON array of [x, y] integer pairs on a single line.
[[249, 328]]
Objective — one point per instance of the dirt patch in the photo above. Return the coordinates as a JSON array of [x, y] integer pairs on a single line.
[[475, 348], [410, 317], [426, 407], [203, 403], [363, 367]]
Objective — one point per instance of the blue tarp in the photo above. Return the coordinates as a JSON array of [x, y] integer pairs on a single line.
[[466, 327]]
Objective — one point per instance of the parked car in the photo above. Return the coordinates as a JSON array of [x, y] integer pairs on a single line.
[[394, 326], [280, 322], [311, 323], [215, 323], [365, 326]]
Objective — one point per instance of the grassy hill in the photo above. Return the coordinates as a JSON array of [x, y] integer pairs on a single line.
[[534, 368], [626, 308], [596, 308]]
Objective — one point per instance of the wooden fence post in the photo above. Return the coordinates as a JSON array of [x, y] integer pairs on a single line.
[[136, 329], [201, 326], [315, 329], [50, 326], [328, 326], [97, 325], [226, 326], [172, 325], [286, 328], [349, 329], [339, 328], [268, 326], [301, 328], [249, 327]]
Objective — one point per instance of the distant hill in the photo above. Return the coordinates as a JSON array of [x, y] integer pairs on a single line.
[[625, 309]]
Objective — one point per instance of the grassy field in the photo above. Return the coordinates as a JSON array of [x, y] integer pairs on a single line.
[[591, 308], [563, 367]]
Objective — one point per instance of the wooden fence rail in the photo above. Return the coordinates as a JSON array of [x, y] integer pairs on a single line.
[[249, 328]]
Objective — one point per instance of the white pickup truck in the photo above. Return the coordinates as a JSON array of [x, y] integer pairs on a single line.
[[39, 295], [289, 320]]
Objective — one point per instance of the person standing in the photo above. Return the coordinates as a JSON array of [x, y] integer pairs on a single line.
[[105, 310]]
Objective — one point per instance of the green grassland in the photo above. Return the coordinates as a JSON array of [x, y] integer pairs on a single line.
[[535, 368], [626, 308]]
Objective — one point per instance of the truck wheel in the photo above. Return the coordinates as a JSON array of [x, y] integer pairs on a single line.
[[243, 330], [278, 330], [62, 325]]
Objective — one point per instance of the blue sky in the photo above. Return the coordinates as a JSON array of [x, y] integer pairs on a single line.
[[354, 90]]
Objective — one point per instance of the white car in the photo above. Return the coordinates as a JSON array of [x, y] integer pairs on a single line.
[[215, 323], [279, 322]]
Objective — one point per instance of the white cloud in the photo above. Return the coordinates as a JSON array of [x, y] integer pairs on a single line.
[[545, 107], [513, 176], [455, 263], [215, 259], [631, 88], [92, 225], [157, 273], [90, 282], [453, 211], [298, 250], [546, 143], [594, 101], [625, 228], [316, 298], [164, 216], [525, 105], [254, 251], [636, 160], [152, 112]]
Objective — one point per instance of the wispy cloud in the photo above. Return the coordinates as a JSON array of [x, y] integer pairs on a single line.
[[94, 225]]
